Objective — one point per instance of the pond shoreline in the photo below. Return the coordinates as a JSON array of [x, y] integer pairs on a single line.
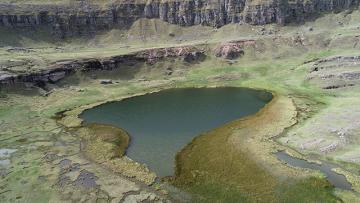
[[162, 123], [70, 119], [74, 116], [338, 180]]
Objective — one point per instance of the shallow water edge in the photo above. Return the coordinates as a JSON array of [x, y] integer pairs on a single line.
[[264, 112], [162, 123], [334, 178]]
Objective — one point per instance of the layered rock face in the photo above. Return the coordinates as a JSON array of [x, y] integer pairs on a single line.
[[59, 70], [257, 12], [335, 72], [69, 20], [81, 17]]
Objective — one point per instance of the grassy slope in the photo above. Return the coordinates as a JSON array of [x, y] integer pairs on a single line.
[[278, 68]]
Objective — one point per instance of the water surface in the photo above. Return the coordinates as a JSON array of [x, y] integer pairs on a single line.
[[334, 178], [161, 124]]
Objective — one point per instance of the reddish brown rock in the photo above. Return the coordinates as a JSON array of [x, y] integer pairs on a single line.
[[188, 53], [233, 50]]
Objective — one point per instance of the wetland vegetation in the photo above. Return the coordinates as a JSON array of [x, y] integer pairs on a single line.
[[122, 74], [334, 178], [161, 124]]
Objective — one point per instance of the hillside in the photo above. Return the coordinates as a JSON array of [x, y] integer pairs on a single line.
[[61, 58]]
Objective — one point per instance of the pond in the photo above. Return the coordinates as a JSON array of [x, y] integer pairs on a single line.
[[334, 178], [161, 124]]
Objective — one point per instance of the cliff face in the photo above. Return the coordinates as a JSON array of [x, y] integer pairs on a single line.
[[85, 18], [256, 12], [70, 20], [61, 69]]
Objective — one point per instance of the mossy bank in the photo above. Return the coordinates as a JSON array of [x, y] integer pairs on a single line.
[[52, 163]]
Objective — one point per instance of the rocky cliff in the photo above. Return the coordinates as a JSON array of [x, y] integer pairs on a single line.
[[82, 17], [59, 70]]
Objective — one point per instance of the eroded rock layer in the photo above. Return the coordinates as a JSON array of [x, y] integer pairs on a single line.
[[61, 69], [81, 17]]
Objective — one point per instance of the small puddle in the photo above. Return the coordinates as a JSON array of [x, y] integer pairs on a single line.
[[334, 178], [4, 157], [4, 163], [5, 153]]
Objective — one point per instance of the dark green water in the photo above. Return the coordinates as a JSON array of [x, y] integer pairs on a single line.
[[334, 178], [161, 124]]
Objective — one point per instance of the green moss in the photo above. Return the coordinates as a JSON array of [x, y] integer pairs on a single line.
[[300, 191], [220, 175], [105, 142], [210, 192], [223, 165], [307, 190]]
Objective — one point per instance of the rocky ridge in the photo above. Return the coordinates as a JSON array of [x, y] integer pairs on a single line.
[[61, 69], [335, 72], [83, 18]]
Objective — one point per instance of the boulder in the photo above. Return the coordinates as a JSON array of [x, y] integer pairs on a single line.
[[106, 82], [232, 50]]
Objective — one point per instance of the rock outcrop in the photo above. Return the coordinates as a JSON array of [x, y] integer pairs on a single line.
[[81, 17], [188, 53], [61, 69], [335, 72], [234, 49]]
